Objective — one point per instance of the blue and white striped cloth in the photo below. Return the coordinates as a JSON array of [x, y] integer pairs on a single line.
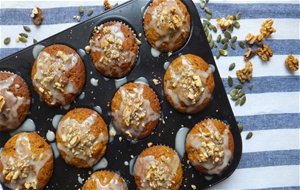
[[271, 157]]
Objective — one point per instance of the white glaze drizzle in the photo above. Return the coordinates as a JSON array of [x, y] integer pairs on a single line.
[[112, 184], [101, 164], [49, 82], [128, 102], [174, 93], [180, 140], [195, 142], [27, 126], [35, 162], [82, 131], [9, 117], [120, 82]]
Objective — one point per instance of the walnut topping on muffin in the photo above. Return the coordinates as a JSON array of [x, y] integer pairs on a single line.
[[169, 17]]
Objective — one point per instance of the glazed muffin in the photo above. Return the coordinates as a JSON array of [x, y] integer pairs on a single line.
[[82, 137], [167, 24], [158, 167], [189, 83], [14, 101], [26, 162], [58, 75], [105, 180], [113, 49], [135, 110], [210, 146]]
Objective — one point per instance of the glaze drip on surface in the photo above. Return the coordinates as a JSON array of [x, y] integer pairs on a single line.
[[9, 103], [78, 141], [22, 169]]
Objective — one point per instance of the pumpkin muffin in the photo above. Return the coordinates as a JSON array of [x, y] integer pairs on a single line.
[[189, 83], [167, 24], [210, 146], [82, 137], [58, 75], [135, 110], [105, 180], [113, 49], [158, 167], [14, 101], [26, 162]]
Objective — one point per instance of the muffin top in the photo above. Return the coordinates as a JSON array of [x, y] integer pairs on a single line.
[[210, 146], [170, 21], [189, 83], [135, 110], [113, 49], [26, 162], [14, 101], [103, 180], [82, 137], [158, 167], [58, 75]]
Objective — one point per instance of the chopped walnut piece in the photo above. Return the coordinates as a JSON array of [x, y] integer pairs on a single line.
[[267, 28], [265, 52], [292, 62], [156, 82], [245, 74], [251, 39], [224, 23], [107, 5], [249, 54], [2, 103], [133, 112], [37, 16]]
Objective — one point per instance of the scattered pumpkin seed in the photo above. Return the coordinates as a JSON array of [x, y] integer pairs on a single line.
[[241, 93], [242, 44], [223, 52], [250, 86], [238, 16], [23, 39], [230, 28], [26, 28], [233, 39], [225, 46], [202, 5], [209, 38], [208, 16], [211, 44], [23, 35], [230, 81], [206, 1], [249, 135], [81, 10], [233, 92], [236, 24], [90, 12], [241, 127], [214, 28], [232, 46], [231, 66], [218, 55], [237, 102], [207, 10], [6, 40], [243, 100], [224, 40], [239, 86], [227, 34], [35, 41], [219, 38]]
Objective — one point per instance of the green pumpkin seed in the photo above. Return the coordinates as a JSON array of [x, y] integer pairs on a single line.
[[232, 46], [241, 94], [206, 1], [237, 102], [251, 87], [227, 34], [249, 135], [214, 28], [26, 28], [223, 52], [208, 11], [233, 92], [23, 39], [23, 35], [202, 5], [81, 10], [225, 46], [238, 16], [243, 100], [219, 38], [208, 16], [209, 38], [218, 55], [211, 44], [233, 39], [35, 41], [230, 81], [90, 12], [242, 44], [239, 86], [236, 24], [6, 40], [231, 66], [230, 28], [241, 127]]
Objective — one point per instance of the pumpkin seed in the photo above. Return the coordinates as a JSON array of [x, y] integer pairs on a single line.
[[207, 10], [227, 34], [233, 92], [211, 44], [224, 40], [206, 1], [23, 35], [223, 52], [225, 46], [23, 39], [230, 28], [208, 16], [81, 10], [239, 86], [26, 28], [231, 66], [251, 87], [243, 100], [241, 127], [230, 81], [6, 40], [233, 39], [202, 5], [238, 16], [214, 28], [242, 44], [241, 94], [35, 41], [232, 46], [237, 102], [236, 24], [249, 135], [219, 38], [218, 55], [215, 45], [90, 12]]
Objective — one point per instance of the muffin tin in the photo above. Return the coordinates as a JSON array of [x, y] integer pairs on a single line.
[[120, 152]]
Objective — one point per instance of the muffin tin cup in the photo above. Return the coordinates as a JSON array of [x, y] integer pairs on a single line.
[[121, 151]]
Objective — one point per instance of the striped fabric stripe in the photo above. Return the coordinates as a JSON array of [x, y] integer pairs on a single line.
[[271, 157]]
